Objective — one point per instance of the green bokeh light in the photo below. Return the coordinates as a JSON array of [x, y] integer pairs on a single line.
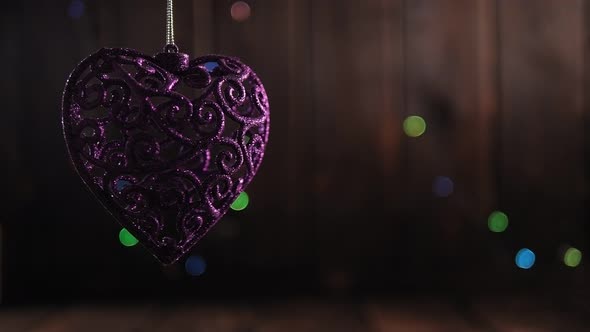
[[241, 202], [572, 257], [127, 239], [414, 126], [497, 221]]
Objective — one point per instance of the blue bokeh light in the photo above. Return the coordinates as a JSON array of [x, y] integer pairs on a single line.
[[442, 186], [122, 184], [76, 9], [525, 258], [195, 266], [211, 65]]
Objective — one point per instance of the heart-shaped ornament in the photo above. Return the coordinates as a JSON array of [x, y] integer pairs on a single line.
[[164, 143]]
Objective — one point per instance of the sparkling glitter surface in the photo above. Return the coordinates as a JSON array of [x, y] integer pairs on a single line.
[[163, 145]]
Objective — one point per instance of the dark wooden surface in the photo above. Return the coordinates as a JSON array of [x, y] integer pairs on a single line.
[[310, 315]]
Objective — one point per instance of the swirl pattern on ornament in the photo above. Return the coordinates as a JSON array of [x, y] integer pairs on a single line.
[[165, 153]]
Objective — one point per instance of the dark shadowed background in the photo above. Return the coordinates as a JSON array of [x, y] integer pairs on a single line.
[[346, 206]]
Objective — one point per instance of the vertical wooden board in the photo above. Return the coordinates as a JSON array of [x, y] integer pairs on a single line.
[[586, 102], [137, 24], [488, 113], [46, 59], [447, 81], [52, 43], [379, 62], [11, 36], [542, 165], [300, 141], [388, 101], [107, 14], [203, 27], [261, 42], [273, 41], [141, 25], [356, 92], [9, 136], [586, 110], [338, 139]]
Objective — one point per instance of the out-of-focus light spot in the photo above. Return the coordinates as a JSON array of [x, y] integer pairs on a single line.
[[414, 126], [121, 184], [195, 266], [525, 258], [241, 202], [76, 9], [442, 186], [127, 239], [497, 221], [572, 257], [240, 11], [211, 65]]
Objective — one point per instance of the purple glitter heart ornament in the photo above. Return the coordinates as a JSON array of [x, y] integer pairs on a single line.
[[164, 143]]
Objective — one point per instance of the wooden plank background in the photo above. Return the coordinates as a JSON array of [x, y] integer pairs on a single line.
[[344, 199]]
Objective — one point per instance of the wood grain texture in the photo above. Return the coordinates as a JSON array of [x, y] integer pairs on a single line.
[[298, 179], [261, 41], [450, 85], [356, 102], [542, 166], [203, 27]]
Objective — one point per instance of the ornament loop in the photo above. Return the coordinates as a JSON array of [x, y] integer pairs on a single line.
[[171, 48], [174, 62]]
